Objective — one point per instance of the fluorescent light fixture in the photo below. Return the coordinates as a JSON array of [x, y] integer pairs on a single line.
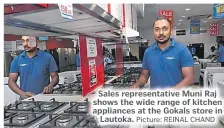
[[180, 20], [209, 17], [187, 9], [183, 16], [18, 23], [205, 21]]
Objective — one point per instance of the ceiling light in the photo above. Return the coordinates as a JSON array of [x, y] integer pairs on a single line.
[[205, 21], [209, 17], [222, 24], [187, 9], [18, 23], [183, 16], [180, 20]]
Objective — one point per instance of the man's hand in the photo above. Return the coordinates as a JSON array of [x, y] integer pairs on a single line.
[[142, 79], [25, 95], [48, 89]]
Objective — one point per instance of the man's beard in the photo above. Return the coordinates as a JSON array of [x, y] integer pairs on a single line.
[[163, 42], [30, 50]]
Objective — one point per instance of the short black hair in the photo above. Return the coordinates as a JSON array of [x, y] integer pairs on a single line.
[[162, 18]]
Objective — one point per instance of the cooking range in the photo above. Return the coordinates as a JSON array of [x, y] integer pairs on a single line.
[[48, 114], [35, 106], [130, 76], [74, 88], [130, 70]]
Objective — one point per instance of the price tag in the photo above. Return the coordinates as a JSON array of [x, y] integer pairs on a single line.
[[66, 11]]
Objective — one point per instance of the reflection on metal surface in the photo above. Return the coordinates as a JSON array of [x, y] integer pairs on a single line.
[[30, 25], [98, 12], [91, 9]]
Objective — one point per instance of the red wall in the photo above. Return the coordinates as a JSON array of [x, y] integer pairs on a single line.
[[85, 70], [52, 43], [10, 37]]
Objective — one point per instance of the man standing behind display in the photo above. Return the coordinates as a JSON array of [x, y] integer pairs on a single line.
[[169, 62], [35, 67], [221, 54]]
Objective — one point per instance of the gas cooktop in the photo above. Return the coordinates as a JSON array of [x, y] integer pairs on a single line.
[[27, 113], [69, 121], [36, 106], [126, 79], [75, 116], [132, 70], [78, 107], [72, 88], [71, 115], [22, 119]]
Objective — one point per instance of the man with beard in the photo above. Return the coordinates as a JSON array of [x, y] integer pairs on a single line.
[[169, 63], [35, 67]]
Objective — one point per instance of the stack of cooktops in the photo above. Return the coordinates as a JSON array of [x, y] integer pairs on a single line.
[[28, 113], [110, 72], [75, 116], [131, 70], [129, 77], [74, 88]]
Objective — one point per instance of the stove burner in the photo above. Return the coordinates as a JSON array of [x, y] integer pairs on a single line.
[[23, 117], [66, 91], [25, 105], [81, 108], [47, 105], [64, 119], [57, 92]]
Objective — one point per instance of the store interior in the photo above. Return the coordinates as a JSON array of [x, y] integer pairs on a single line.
[[122, 33]]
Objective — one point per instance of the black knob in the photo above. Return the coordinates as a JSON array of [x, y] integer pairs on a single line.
[[39, 106], [16, 104], [50, 117], [53, 99], [34, 115], [32, 99], [10, 118]]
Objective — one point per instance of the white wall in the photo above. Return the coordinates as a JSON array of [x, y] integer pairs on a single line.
[[147, 34], [135, 50], [188, 38]]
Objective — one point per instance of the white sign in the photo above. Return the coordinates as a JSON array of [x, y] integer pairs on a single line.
[[91, 47], [66, 11]]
